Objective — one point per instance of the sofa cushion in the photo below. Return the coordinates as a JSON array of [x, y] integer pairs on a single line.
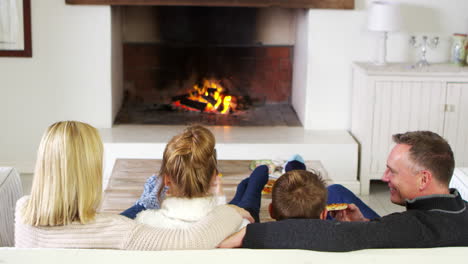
[[10, 192], [235, 256]]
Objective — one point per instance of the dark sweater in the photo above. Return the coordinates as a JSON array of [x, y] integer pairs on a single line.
[[430, 221]]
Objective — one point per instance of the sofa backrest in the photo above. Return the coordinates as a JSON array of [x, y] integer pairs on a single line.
[[234, 256]]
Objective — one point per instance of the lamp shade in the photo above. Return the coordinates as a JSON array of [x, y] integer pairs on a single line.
[[384, 16]]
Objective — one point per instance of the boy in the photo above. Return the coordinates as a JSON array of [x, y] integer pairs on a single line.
[[298, 194]]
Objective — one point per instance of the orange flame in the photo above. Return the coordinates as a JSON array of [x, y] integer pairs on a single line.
[[211, 93]]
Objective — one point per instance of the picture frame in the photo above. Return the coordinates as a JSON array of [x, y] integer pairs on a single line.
[[15, 29]]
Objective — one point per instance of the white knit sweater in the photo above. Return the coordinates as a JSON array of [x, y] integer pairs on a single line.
[[180, 213], [112, 231]]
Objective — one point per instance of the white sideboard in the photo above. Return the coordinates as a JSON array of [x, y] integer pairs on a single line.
[[397, 98]]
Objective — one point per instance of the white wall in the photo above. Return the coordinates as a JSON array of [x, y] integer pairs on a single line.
[[338, 37], [68, 77]]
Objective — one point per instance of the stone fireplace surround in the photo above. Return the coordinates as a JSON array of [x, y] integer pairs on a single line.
[[336, 149]]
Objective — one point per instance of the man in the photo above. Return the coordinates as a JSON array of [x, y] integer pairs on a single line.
[[419, 169]]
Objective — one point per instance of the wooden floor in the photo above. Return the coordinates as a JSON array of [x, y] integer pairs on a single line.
[[129, 175]]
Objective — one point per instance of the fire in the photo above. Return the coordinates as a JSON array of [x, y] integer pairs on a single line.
[[211, 97]]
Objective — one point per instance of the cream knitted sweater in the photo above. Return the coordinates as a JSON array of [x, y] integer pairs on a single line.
[[180, 213], [112, 231]]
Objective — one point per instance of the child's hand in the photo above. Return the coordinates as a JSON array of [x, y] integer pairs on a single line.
[[244, 213], [350, 214]]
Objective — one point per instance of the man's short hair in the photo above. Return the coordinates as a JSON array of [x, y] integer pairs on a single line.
[[430, 151], [298, 194]]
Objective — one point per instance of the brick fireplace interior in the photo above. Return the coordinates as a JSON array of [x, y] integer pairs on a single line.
[[169, 49]]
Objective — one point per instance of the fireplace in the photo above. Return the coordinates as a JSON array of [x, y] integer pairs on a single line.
[[167, 51], [336, 149]]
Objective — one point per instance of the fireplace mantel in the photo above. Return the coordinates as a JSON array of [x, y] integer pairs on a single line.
[[322, 4]]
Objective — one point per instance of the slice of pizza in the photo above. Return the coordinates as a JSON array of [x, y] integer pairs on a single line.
[[337, 206], [268, 186]]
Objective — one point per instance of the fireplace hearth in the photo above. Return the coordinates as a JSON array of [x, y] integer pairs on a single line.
[[266, 115]]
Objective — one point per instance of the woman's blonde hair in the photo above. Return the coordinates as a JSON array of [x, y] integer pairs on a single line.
[[67, 184], [189, 161]]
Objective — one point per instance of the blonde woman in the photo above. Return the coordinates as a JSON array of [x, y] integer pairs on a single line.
[[189, 171], [61, 211]]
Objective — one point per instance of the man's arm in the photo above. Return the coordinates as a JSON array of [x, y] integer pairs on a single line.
[[335, 236], [312, 234]]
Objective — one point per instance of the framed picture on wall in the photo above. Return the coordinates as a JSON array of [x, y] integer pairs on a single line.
[[15, 28]]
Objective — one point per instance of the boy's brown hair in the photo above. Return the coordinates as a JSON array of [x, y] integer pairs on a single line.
[[189, 162], [298, 194]]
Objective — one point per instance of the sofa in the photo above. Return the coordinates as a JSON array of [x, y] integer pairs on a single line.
[[10, 191], [235, 256]]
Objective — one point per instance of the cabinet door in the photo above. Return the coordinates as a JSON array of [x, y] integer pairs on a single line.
[[456, 121], [402, 106]]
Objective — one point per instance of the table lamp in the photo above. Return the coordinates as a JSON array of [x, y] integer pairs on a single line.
[[383, 17]]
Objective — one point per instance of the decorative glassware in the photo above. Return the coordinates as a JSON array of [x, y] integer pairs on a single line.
[[423, 45], [458, 51]]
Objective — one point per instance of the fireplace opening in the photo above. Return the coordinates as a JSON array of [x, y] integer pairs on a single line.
[[208, 65]]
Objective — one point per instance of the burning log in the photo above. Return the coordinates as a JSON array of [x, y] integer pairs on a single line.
[[220, 108], [211, 90], [193, 104], [210, 99]]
